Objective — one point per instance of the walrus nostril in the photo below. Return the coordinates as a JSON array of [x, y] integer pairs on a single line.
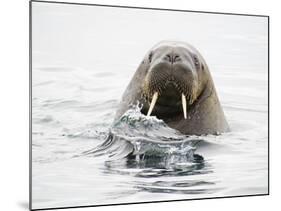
[[177, 58], [168, 57], [172, 58]]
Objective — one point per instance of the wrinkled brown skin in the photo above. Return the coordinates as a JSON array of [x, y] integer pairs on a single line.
[[204, 116]]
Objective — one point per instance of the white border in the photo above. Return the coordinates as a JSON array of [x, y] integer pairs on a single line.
[[14, 103]]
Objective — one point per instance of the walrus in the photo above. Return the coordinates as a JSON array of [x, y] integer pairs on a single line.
[[173, 83]]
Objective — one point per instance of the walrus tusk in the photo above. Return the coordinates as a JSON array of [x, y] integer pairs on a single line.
[[152, 104], [183, 100]]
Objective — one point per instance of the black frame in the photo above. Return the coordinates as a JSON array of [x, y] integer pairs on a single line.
[[144, 8]]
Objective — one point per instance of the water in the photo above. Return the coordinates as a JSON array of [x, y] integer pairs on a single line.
[[79, 157]]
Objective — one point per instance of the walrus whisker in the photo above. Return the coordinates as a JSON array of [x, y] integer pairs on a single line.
[[152, 104], [183, 99]]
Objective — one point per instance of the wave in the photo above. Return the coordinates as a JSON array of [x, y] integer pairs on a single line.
[[144, 138]]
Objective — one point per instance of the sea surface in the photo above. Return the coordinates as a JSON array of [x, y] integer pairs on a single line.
[[83, 57]]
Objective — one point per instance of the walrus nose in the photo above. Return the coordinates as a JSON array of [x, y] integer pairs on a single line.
[[172, 58]]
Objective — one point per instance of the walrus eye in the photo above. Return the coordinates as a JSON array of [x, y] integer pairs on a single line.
[[196, 61], [150, 57]]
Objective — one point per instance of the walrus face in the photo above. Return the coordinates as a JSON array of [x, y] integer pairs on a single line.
[[171, 84]]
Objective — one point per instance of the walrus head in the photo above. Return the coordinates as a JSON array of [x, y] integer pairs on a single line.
[[174, 79]]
